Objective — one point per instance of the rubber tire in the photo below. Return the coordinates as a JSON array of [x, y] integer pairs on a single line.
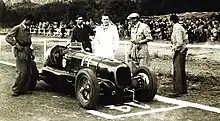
[[147, 94], [95, 87], [49, 78], [51, 60]]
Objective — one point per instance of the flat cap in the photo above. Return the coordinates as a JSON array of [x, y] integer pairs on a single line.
[[133, 15]]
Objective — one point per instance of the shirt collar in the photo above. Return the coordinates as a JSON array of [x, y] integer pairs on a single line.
[[137, 24], [80, 26], [176, 24], [24, 26], [105, 27]]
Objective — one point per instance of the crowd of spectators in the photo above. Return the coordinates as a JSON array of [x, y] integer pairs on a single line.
[[58, 29], [54, 29], [202, 30], [198, 29]]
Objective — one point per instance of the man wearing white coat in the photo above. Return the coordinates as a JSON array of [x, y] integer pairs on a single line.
[[106, 39]]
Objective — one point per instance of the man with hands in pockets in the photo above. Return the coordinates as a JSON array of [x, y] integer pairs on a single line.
[[140, 36]]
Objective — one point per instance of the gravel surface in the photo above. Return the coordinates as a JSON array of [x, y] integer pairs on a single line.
[[50, 104]]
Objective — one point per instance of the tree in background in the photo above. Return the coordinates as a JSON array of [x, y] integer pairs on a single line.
[[2, 8], [120, 9], [92, 9], [51, 12]]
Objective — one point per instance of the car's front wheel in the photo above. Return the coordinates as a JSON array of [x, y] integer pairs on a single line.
[[148, 84], [87, 88]]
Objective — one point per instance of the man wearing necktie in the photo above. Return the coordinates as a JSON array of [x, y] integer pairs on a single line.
[[81, 33], [140, 36], [26, 75]]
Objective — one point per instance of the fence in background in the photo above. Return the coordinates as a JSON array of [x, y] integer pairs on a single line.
[[41, 45]]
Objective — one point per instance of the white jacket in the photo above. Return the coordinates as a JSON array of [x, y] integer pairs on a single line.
[[106, 41]]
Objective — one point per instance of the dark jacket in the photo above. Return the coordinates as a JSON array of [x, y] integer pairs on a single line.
[[21, 34], [22, 41], [81, 34]]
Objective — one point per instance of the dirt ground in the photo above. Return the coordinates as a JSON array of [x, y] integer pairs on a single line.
[[49, 104], [203, 70]]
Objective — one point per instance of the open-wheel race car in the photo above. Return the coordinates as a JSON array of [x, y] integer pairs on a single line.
[[93, 76]]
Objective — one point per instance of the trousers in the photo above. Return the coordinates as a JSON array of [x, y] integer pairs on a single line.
[[138, 56], [179, 77], [26, 73]]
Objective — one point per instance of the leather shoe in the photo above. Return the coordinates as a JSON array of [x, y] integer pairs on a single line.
[[31, 89], [174, 95], [15, 94], [29, 92]]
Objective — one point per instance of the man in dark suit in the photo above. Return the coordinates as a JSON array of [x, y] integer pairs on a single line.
[[26, 75], [81, 33]]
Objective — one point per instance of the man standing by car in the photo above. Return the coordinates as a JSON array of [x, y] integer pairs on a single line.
[[81, 33], [26, 75], [140, 35], [179, 49], [106, 38]]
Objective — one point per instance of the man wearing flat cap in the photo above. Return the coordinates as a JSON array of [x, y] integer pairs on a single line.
[[140, 35]]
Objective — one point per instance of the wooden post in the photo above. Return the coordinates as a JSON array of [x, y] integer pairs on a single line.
[[45, 47], [126, 53]]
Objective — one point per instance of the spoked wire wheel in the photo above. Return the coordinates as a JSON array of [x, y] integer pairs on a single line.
[[148, 86], [87, 88], [146, 80]]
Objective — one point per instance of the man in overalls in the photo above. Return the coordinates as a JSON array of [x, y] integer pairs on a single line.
[[26, 74]]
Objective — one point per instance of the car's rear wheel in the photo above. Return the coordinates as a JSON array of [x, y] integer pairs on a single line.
[[87, 88], [49, 78], [54, 57], [149, 84], [59, 83]]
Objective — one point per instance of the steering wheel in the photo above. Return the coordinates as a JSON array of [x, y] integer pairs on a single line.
[[67, 45], [55, 53]]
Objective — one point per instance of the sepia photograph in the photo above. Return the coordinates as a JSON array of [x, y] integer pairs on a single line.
[[109, 60]]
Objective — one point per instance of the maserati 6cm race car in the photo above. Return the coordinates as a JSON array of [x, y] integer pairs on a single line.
[[93, 76]]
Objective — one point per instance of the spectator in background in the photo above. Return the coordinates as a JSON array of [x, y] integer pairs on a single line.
[[26, 75], [106, 38], [140, 36], [214, 31], [70, 27], [62, 29], [126, 30], [179, 49], [81, 33]]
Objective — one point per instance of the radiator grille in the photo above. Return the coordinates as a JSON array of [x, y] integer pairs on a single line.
[[123, 76]]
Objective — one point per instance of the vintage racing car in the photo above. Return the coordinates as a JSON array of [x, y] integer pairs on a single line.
[[93, 76]]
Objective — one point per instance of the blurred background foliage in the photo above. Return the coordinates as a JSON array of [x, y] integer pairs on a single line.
[[92, 9], [59, 11]]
